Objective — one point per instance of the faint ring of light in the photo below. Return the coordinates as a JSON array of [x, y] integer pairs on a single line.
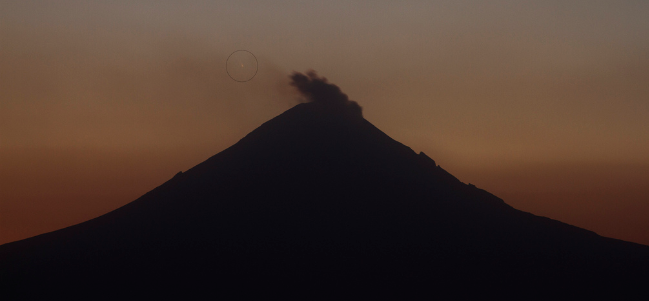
[[256, 66]]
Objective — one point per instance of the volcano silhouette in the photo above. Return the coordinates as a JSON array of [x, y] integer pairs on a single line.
[[317, 202]]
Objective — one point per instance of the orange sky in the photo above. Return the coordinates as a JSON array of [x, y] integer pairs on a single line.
[[543, 103]]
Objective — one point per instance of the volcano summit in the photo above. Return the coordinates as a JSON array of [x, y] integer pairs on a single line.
[[319, 202]]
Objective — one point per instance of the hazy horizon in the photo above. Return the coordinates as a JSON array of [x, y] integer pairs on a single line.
[[544, 104]]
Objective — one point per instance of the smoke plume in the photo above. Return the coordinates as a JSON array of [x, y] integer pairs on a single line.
[[318, 90]]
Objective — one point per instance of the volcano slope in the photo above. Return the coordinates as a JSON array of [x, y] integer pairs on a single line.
[[318, 202]]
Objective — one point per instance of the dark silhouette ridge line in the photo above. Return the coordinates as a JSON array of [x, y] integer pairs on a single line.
[[325, 201]]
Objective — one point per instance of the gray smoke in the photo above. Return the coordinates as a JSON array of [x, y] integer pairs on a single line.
[[318, 90]]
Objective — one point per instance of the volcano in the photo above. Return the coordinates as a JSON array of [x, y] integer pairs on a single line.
[[314, 203]]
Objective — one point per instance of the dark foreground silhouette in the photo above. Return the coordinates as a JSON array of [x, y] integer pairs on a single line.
[[316, 203]]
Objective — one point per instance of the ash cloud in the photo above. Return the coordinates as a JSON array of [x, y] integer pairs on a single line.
[[318, 90]]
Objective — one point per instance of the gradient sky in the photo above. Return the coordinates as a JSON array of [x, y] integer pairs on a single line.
[[543, 103]]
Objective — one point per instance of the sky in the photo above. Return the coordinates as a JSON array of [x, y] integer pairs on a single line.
[[542, 103]]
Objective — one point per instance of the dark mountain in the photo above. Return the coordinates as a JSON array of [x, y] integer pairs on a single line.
[[317, 203]]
